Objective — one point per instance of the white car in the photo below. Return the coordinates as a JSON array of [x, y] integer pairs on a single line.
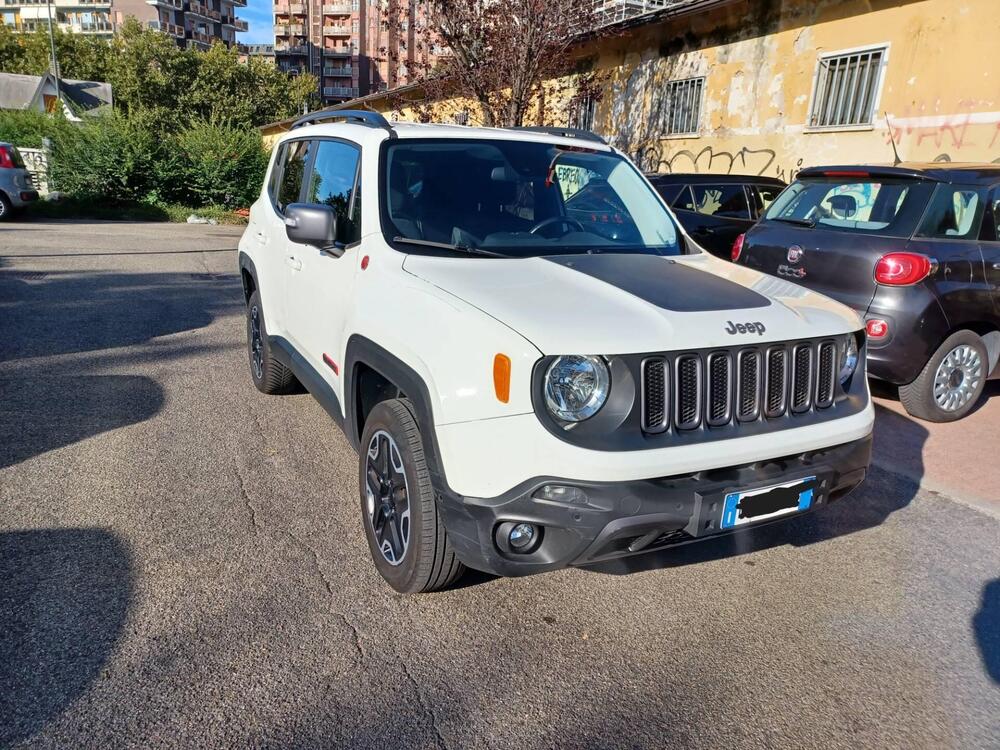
[[537, 366]]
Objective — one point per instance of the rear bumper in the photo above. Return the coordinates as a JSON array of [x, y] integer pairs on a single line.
[[23, 197], [604, 520]]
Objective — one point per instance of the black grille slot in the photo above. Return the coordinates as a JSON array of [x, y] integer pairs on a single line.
[[748, 386], [687, 414], [719, 379], [825, 374], [802, 377], [654, 395], [777, 375]]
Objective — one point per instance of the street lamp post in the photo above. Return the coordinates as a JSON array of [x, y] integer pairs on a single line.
[[52, 47]]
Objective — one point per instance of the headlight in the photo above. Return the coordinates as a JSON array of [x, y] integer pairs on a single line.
[[848, 357], [576, 387]]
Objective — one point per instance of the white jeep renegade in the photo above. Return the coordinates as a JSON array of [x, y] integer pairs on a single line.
[[537, 366]]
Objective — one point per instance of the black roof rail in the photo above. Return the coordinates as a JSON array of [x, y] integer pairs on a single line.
[[360, 116], [583, 135]]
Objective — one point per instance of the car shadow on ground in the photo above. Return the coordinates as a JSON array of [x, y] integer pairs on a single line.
[[986, 628], [63, 603], [39, 412], [99, 310]]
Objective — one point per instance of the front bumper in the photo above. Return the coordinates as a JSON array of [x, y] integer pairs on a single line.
[[615, 519]]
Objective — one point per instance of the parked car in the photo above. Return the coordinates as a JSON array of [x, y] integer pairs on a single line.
[[716, 209], [913, 248], [16, 190], [527, 389]]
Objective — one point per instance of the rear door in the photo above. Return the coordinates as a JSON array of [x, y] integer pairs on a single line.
[[828, 233], [718, 214], [991, 246]]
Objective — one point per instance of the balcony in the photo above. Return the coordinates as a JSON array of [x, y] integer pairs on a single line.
[[288, 29], [290, 49], [167, 28], [239, 3], [92, 27], [197, 9], [338, 71], [345, 91], [339, 51], [200, 37], [336, 31], [173, 4], [291, 9], [338, 9]]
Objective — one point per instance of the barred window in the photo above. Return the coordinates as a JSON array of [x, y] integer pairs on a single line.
[[680, 108], [847, 89], [582, 113], [462, 118]]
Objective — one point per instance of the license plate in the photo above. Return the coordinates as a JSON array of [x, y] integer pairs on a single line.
[[765, 503]]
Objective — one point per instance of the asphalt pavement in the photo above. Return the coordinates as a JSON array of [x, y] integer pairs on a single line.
[[182, 564]]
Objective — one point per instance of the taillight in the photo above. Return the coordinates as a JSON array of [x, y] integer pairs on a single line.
[[902, 269], [6, 158], [734, 254]]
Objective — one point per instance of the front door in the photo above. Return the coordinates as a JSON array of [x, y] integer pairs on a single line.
[[320, 294]]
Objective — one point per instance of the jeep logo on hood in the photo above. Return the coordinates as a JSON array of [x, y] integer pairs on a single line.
[[734, 328]]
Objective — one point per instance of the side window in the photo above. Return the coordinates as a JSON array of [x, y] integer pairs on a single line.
[[295, 156], [723, 201], [767, 195], [272, 182], [684, 201], [996, 213], [956, 212], [334, 182]]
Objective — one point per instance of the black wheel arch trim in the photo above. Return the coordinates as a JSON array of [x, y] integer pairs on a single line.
[[246, 264], [363, 351]]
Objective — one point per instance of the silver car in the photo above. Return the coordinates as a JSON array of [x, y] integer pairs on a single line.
[[16, 188]]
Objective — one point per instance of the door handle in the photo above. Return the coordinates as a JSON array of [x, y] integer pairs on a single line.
[[296, 265]]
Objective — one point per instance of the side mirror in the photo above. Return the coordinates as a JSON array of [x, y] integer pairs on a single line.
[[312, 225]]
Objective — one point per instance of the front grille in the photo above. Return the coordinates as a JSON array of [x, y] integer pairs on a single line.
[[718, 388]]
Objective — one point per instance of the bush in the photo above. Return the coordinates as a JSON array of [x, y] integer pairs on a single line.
[[115, 159], [25, 129], [214, 165]]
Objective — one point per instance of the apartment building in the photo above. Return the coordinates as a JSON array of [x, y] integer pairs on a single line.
[[192, 23], [353, 47], [81, 16]]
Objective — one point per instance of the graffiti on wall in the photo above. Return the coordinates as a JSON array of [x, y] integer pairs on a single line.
[[971, 127]]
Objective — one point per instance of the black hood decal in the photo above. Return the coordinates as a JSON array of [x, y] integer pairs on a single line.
[[664, 283]]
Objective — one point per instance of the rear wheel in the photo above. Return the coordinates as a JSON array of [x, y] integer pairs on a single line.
[[951, 382], [6, 211], [406, 536], [268, 374]]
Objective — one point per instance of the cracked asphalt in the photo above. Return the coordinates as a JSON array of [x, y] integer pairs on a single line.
[[182, 564]]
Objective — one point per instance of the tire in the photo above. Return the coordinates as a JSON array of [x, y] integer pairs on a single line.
[[409, 520], [933, 398], [267, 373], [6, 210]]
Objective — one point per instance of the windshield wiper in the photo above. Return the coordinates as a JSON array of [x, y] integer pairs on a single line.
[[797, 222], [447, 246]]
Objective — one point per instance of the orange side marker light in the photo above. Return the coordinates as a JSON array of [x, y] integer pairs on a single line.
[[501, 377]]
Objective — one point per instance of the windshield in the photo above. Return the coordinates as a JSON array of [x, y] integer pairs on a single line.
[[872, 205], [520, 199]]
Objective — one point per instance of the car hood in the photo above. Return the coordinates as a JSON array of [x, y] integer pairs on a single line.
[[626, 304]]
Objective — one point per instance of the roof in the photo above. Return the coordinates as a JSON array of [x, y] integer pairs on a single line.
[[939, 171], [20, 91], [692, 178], [404, 130]]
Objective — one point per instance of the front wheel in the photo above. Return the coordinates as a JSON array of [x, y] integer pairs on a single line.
[[951, 382], [268, 374], [406, 536]]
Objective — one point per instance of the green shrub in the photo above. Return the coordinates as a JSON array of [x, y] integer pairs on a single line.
[[214, 165], [25, 129], [115, 159]]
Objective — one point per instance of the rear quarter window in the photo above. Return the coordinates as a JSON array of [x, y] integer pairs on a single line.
[[890, 206], [955, 213]]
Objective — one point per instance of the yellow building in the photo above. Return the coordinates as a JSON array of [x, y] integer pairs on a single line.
[[771, 86]]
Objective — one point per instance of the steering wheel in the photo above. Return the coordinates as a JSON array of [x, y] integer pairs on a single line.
[[557, 220]]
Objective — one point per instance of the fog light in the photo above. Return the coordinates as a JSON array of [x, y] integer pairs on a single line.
[[521, 537]]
